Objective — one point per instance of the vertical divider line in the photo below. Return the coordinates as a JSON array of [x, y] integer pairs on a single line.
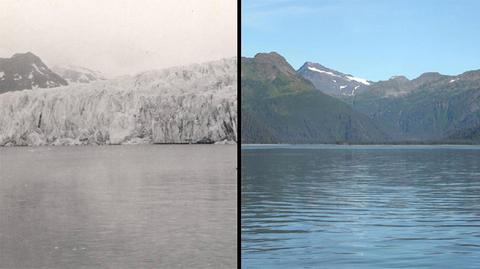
[[239, 135]]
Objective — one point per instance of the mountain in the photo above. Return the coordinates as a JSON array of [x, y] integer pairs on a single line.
[[26, 71], [332, 82], [77, 74], [467, 135], [432, 107], [400, 85], [280, 106], [196, 103]]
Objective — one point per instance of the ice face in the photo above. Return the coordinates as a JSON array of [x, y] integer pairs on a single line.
[[175, 105]]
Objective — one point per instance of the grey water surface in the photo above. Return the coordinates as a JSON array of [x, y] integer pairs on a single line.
[[145, 206], [321, 206]]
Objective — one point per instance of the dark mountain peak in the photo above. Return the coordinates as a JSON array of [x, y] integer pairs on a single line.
[[274, 56], [316, 65], [275, 74], [28, 56], [312, 66], [430, 74], [395, 86], [428, 77], [26, 71], [276, 60]]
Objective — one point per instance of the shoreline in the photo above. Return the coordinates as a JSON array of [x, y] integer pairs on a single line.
[[355, 146], [221, 143], [374, 144]]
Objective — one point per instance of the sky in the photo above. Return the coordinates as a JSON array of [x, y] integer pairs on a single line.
[[119, 37], [373, 39]]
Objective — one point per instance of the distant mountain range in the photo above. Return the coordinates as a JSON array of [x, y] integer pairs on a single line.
[[280, 106], [27, 71], [432, 108]]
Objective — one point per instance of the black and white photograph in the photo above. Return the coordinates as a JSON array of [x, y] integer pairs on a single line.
[[118, 134]]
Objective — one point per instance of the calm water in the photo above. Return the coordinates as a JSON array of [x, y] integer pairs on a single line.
[[118, 207], [360, 207]]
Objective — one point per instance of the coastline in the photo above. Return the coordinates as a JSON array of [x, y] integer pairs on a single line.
[[359, 147]]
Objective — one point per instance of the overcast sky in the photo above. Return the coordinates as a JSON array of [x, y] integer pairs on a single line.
[[119, 36]]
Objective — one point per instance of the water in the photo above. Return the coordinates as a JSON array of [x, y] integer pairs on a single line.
[[360, 207], [118, 207]]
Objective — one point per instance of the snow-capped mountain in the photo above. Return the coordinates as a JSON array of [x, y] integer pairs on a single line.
[[26, 71], [331, 81], [77, 74], [197, 103]]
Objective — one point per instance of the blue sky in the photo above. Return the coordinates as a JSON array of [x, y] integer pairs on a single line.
[[374, 39]]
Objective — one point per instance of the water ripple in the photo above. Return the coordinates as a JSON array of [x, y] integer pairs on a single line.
[[361, 207]]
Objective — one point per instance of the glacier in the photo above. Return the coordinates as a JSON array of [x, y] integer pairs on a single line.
[[190, 104]]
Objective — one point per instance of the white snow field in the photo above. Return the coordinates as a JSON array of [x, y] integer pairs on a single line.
[[196, 103]]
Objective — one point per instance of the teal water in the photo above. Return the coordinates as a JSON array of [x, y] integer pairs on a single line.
[[327, 206], [144, 206]]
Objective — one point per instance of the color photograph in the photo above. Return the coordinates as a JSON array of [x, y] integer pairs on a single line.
[[360, 125]]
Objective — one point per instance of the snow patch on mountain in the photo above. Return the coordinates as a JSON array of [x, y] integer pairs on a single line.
[[322, 71], [354, 89], [332, 82], [37, 69], [361, 80]]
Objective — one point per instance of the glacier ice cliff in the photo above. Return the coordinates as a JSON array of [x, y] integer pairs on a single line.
[[175, 105]]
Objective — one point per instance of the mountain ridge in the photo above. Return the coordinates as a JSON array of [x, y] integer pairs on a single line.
[[27, 71], [431, 107], [280, 106]]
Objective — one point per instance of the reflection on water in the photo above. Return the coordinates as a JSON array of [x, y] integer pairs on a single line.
[[118, 207], [360, 207]]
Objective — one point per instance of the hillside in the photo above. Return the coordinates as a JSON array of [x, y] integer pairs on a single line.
[[279, 106], [431, 107]]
